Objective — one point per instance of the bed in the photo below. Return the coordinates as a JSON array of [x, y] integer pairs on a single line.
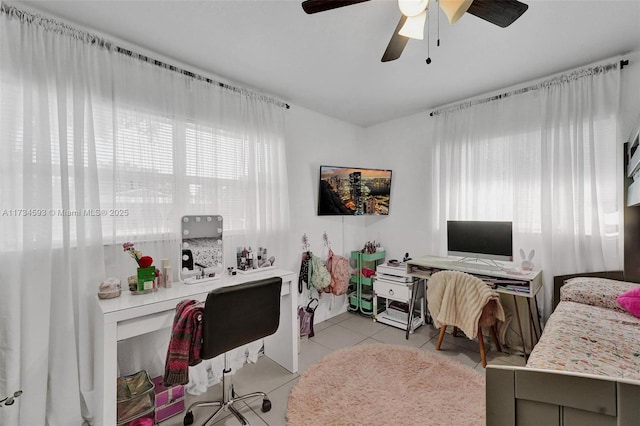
[[585, 370]]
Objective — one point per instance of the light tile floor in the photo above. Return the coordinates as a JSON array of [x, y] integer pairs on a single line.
[[347, 329]]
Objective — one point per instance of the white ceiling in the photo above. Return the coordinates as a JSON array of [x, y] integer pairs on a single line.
[[330, 62]]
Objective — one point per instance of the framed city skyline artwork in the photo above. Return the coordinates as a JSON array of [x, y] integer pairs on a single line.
[[353, 191]]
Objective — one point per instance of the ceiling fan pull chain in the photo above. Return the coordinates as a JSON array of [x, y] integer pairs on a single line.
[[438, 13], [428, 61], [414, 13]]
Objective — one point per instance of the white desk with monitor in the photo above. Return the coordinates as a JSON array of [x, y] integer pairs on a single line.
[[531, 283], [133, 315]]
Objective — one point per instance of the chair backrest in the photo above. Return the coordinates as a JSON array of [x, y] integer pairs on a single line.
[[240, 314], [456, 298], [438, 282]]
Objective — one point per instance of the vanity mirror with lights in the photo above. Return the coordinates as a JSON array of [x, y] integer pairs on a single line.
[[202, 254]]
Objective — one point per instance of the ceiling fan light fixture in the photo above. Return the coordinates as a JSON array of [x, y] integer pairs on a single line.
[[454, 9], [413, 18], [412, 7], [414, 26]]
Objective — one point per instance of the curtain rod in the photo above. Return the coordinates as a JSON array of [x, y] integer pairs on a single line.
[[61, 28], [546, 83], [199, 77]]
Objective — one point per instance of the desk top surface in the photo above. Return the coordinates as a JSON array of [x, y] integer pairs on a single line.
[[453, 264], [179, 291], [445, 263]]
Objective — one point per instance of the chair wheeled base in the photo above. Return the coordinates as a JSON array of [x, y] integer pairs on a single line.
[[229, 397], [228, 405]]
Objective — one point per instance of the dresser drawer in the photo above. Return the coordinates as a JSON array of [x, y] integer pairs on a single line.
[[391, 290]]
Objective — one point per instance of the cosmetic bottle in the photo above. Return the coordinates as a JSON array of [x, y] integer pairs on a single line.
[[166, 273], [167, 277]]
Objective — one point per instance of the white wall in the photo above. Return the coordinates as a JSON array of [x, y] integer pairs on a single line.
[[313, 140], [400, 145]]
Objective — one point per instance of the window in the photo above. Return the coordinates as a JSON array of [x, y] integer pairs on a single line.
[[144, 159]]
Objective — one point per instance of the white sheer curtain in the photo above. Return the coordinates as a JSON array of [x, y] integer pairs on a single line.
[[547, 158], [87, 129]]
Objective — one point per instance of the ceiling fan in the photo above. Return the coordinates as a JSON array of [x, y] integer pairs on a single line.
[[414, 13]]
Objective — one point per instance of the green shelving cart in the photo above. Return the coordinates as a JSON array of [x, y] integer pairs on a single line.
[[361, 298]]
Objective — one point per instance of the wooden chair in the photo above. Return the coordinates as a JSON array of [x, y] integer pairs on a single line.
[[474, 299]]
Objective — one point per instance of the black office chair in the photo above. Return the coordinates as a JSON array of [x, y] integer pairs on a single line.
[[234, 316]]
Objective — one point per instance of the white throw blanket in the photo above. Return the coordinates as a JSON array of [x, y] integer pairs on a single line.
[[457, 299]]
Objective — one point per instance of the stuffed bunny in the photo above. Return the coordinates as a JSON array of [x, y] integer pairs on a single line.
[[527, 264]]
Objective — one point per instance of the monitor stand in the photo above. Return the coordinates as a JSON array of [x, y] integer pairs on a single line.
[[477, 263]]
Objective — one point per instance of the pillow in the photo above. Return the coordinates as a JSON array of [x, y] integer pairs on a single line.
[[600, 292], [631, 301]]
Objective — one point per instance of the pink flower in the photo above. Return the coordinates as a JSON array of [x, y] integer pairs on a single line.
[[135, 254]]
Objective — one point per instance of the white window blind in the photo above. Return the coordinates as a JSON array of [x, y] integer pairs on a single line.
[[140, 163]]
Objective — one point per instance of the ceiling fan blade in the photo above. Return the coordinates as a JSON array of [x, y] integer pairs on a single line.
[[499, 12], [396, 44], [315, 6]]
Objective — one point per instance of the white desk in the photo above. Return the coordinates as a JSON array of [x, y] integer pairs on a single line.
[[423, 267], [129, 316]]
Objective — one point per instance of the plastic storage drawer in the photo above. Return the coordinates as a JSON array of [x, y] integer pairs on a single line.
[[135, 397]]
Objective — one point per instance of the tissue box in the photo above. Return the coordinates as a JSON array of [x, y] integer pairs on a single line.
[[169, 400]]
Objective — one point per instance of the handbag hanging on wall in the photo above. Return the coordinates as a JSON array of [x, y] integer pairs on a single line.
[[305, 316], [340, 271], [319, 276]]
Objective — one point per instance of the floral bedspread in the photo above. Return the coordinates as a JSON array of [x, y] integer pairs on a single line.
[[589, 339]]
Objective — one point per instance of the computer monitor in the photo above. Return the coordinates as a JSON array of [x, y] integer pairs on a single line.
[[480, 239]]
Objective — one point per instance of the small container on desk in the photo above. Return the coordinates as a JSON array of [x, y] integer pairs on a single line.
[[146, 278], [109, 294], [144, 282], [109, 288]]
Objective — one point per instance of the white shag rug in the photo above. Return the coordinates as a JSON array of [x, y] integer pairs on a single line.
[[382, 384]]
